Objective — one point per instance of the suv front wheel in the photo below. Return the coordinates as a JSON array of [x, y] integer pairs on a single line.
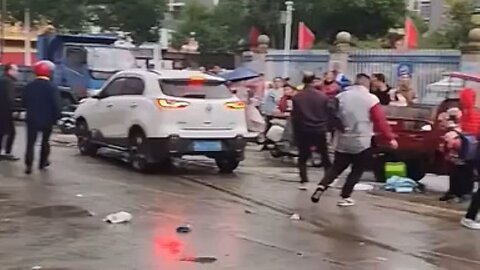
[[227, 165], [84, 141]]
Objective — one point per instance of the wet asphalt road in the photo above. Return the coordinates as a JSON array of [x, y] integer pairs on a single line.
[[53, 219]]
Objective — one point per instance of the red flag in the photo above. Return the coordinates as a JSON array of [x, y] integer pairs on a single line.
[[306, 38], [253, 36], [411, 34]]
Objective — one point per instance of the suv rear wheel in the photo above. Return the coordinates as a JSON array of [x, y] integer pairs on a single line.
[[138, 152], [84, 141], [227, 165]]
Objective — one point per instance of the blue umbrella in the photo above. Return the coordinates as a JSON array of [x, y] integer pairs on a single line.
[[239, 74]]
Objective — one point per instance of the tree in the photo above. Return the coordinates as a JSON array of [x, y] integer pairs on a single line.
[[64, 14], [367, 18], [140, 18], [460, 16], [216, 30]]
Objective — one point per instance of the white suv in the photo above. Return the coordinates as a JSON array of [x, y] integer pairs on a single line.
[[157, 115]]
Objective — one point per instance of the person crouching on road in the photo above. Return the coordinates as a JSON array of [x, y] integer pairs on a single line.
[[360, 113], [310, 124], [7, 104], [41, 100]]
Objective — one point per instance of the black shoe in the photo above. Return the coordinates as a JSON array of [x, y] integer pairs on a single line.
[[28, 170], [447, 197], [317, 194], [10, 157]]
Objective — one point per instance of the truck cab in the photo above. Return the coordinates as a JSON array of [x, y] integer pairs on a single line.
[[82, 62]]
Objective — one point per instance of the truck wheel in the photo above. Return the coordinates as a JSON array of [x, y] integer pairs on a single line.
[[67, 102], [84, 141], [138, 153], [227, 165]]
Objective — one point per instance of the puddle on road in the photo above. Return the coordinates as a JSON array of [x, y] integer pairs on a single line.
[[59, 211], [202, 260], [4, 196]]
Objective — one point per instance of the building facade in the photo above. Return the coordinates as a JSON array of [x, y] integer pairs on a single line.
[[14, 40]]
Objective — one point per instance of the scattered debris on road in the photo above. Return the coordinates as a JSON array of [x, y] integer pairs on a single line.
[[184, 229], [79, 195], [202, 260], [295, 216], [117, 218]]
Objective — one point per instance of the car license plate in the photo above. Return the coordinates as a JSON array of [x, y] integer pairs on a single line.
[[207, 146]]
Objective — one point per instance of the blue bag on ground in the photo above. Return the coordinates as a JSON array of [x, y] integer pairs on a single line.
[[400, 184]]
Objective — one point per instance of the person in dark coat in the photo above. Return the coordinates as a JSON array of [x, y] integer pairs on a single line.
[[7, 104], [42, 103], [310, 125]]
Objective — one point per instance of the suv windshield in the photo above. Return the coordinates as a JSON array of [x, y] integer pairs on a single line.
[[108, 59], [187, 89]]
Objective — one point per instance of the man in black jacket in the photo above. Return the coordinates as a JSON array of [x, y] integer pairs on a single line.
[[7, 103], [42, 103], [310, 124]]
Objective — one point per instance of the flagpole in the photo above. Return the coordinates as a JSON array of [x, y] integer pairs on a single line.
[[288, 38]]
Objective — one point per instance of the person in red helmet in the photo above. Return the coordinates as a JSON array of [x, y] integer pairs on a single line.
[[41, 100]]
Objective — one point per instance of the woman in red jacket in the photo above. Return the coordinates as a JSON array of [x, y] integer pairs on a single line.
[[461, 172], [329, 86], [470, 124]]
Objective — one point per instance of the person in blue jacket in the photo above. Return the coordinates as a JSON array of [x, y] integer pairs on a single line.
[[41, 100]]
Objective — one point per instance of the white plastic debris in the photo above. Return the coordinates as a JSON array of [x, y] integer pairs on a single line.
[[120, 217], [38, 267], [363, 187], [79, 195], [303, 187], [295, 216]]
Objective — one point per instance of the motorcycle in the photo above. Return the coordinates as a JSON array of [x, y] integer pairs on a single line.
[[280, 141]]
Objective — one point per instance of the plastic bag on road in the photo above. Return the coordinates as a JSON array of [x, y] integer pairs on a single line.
[[120, 217]]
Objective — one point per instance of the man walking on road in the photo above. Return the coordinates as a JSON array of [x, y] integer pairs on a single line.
[[360, 113], [42, 103], [309, 119], [7, 103]]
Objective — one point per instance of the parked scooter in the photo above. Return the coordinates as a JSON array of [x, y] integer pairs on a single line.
[[280, 141]]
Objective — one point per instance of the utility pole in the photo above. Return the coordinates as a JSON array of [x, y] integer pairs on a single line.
[[2, 31], [288, 37], [28, 40]]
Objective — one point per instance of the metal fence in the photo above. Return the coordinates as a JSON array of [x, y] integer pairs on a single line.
[[297, 62], [428, 65]]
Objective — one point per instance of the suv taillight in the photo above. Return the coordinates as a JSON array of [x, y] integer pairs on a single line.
[[236, 105], [171, 104]]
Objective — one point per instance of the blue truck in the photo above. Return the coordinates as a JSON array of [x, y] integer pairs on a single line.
[[82, 64]]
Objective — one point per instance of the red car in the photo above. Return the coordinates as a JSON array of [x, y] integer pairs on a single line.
[[419, 131]]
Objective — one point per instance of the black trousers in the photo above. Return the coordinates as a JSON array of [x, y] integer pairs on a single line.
[[474, 206], [461, 180], [7, 135], [340, 164], [305, 141], [32, 134]]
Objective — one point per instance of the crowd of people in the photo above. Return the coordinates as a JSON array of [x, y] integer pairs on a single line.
[[330, 104]]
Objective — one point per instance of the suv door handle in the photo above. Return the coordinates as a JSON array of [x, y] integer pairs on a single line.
[[133, 105], [109, 105]]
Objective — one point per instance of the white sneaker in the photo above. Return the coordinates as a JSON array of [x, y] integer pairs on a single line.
[[303, 187], [346, 202], [471, 224]]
